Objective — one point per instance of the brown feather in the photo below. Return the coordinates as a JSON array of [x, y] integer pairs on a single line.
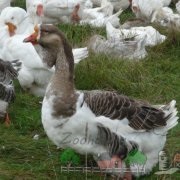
[[140, 115]]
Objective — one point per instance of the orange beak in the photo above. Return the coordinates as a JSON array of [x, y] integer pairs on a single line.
[[40, 10], [33, 37], [11, 28]]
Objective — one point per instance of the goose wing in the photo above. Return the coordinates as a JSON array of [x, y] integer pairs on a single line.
[[140, 115], [7, 92], [7, 71]]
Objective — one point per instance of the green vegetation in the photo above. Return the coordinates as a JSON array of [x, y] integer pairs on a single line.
[[135, 157], [69, 157], [155, 79]]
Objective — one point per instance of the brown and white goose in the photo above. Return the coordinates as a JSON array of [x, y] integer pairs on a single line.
[[7, 93], [98, 122]]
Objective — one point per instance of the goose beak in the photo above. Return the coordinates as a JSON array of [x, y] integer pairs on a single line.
[[40, 10], [33, 37], [11, 28]]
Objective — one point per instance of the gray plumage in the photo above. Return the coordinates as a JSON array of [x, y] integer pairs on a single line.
[[135, 22], [128, 48], [115, 144], [8, 72], [140, 115]]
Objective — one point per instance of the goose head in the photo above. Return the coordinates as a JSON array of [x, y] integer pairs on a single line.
[[16, 20], [36, 8], [54, 43]]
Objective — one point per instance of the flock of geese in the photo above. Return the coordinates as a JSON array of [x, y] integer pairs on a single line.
[[107, 125]]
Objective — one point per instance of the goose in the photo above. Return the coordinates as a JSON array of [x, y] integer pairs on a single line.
[[144, 9], [102, 21], [126, 49], [167, 18], [117, 4], [152, 36], [106, 9], [8, 72], [105, 124], [53, 11], [17, 20], [162, 15], [34, 74]]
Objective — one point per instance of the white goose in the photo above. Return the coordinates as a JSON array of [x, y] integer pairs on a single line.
[[151, 36], [166, 17], [105, 10], [17, 20], [145, 8], [98, 122], [34, 75], [117, 4], [102, 21], [54, 11], [126, 49]]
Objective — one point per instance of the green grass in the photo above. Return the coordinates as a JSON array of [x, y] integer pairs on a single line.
[[155, 79]]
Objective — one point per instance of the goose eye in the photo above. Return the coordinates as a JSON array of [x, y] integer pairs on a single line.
[[12, 18]]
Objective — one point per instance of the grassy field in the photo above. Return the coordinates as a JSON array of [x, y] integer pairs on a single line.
[[155, 79]]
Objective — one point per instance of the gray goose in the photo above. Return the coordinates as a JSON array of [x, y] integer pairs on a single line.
[[105, 124], [7, 94]]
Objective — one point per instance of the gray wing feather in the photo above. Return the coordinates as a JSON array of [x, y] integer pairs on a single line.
[[7, 92], [114, 144], [140, 115], [7, 71]]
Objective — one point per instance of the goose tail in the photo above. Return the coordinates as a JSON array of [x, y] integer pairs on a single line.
[[170, 111], [80, 54]]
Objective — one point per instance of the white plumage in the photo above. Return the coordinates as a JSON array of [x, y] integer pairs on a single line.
[[4, 4], [126, 49], [178, 7], [117, 4], [151, 36], [102, 21], [53, 11], [34, 74], [105, 10], [145, 8]]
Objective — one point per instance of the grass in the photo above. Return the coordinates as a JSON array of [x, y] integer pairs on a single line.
[[155, 79]]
